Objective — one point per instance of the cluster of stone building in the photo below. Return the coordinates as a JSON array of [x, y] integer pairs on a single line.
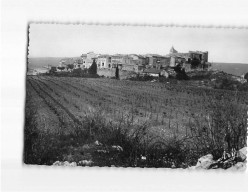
[[138, 63]]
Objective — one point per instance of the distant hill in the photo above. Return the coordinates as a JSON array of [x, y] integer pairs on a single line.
[[41, 62], [237, 69]]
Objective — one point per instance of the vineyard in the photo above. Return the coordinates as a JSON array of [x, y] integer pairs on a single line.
[[170, 110]]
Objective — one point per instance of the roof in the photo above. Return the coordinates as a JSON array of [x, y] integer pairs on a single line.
[[198, 52], [179, 55], [139, 56], [156, 56], [152, 71], [103, 56], [79, 61]]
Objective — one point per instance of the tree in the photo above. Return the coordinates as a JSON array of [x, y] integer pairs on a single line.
[[61, 68], [180, 72], [93, 68], [246, 76], [69, 66], [117, 72], [53, 70]]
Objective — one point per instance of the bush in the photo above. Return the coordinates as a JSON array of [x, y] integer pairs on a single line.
[[69, 66], [229, 84], [61, 68], [146, 77], [53, 70], [223, 128], [180, 73], [243, 87], [78, 72]]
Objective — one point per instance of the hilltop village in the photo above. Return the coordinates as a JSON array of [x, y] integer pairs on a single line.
[[152, 64]]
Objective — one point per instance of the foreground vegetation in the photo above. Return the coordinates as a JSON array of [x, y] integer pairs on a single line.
[[129, 123]]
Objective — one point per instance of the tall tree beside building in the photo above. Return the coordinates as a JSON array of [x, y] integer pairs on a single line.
[[246, 76], [93, 68], [117, 72]]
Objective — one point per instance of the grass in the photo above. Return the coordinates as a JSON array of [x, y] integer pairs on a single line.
[[139, 149], [46, 148]]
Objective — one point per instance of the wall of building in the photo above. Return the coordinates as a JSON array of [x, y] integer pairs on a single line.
[[111, 73], [104, 62]]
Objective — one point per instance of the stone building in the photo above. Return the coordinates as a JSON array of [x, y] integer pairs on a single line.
[[200, 55], [139, 59], [104, 61], [187, 58], [78, 64], [157, 61], [88, 59]]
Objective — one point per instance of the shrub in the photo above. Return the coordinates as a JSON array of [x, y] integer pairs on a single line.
[[145, 77], [243, 87], [78, 72], [53, 70], [136, 141], [69, 66], [223, 128], [61, 68]]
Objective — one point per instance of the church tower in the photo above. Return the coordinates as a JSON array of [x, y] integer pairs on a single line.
[[172, 50]]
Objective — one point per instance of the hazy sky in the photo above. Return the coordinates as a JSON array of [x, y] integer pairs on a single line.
[[53, 40]]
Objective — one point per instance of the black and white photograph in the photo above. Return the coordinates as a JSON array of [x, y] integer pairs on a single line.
[[136, 96], [124, 96]]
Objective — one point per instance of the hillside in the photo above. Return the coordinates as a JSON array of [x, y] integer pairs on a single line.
[[237, 69]]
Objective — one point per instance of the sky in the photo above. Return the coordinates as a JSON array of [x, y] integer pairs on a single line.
[[72, 40]]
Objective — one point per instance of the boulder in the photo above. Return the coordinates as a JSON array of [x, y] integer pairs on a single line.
[[205, 162], [118, 148], [242, 154], [85, 163], [65, 164]]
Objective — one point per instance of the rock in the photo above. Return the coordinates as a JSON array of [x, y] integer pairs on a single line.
[[57, 163], [227, 164], [85, 147], [66, 164], [98, 143], [73, 164], [143, 157], [85, 162], [239, 166], [102, 151], [242, 154], [205, 162], [119, 148]]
